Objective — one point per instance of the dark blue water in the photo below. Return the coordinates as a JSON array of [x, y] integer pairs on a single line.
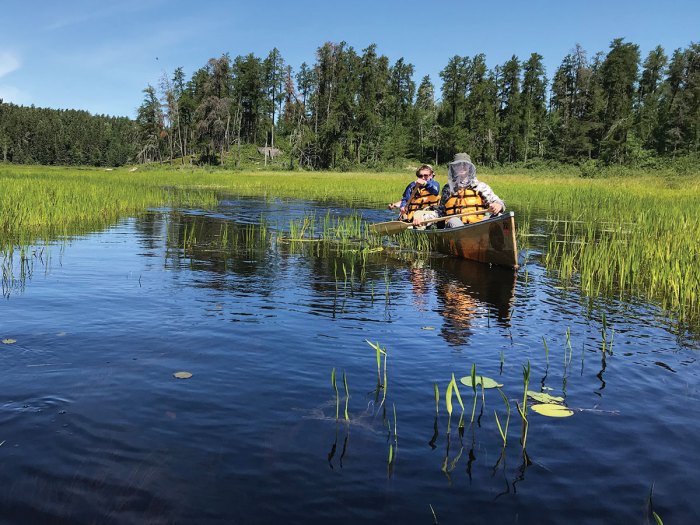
[[95, 428]]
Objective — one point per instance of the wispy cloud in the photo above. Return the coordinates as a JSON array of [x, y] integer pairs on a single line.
[[126, 53], [9, 62], [108, 10]]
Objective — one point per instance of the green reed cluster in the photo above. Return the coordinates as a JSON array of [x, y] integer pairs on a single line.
[[43, 203], [623, 237]]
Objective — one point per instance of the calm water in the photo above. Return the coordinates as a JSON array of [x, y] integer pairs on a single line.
[[95, 428]]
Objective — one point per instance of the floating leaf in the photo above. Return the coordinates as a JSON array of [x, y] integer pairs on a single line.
[[544, 398], [552, 410], [9, 341], [487, 382], [182, 375]]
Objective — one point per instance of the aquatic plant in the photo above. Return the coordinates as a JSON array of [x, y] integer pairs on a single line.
[[570, 349], [606, 347], [437, 399], [522, 409], [552, 410], [473, 385], [448, 404], [460, 425], [347, 395], [650, 507], [337, 398], [503, 431]]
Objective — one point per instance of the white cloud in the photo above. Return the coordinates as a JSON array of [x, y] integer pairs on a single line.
[[8, 63]]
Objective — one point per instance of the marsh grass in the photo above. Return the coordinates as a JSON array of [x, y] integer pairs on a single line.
[[632, 237], [44, 203]]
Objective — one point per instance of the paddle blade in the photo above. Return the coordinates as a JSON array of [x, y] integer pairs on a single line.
[[388, 228]]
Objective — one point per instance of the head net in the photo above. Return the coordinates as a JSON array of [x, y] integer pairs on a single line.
[[461, 174]]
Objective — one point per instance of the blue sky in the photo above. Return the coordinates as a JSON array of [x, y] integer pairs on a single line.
[[99, 55]]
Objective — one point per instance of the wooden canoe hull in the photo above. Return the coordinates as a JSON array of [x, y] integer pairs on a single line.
[[489, 241]]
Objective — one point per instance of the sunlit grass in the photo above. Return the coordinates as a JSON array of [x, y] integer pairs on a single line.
[[630, 237]]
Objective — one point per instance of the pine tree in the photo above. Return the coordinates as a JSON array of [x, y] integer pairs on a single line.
[[649, 98], [534, 107], [426, 111], [372, 105], [680, 103], [618, 74], [150, 123], [274, 79], [481, 112], [510, 143]]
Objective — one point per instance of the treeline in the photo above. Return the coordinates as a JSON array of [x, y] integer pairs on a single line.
[[352, 109], [30, 135]]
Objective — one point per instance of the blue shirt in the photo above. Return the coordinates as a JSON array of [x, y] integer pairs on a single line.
[[432, 186]]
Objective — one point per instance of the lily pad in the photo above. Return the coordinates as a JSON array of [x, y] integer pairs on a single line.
[[552, 410], [487, 382], [182, 375], [9, 341], [544, 398]]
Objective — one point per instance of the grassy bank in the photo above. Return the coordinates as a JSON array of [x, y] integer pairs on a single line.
[[626, 235]]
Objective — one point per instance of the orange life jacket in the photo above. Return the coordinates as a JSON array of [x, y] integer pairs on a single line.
[[463, 201], [422, 199]]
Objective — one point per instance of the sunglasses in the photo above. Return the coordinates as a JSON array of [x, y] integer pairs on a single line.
[[423, 176]]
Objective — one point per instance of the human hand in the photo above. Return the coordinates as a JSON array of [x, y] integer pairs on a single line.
[[495, 208], [421, 182]]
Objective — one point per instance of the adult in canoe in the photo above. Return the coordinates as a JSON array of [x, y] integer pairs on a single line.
[[420, 194], [465, 193]]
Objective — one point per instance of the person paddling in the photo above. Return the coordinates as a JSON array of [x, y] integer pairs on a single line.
[[464, 193], [420, 194]]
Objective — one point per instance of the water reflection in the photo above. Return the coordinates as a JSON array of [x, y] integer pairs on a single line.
[[467, 291], [339, 281], [236, 430]]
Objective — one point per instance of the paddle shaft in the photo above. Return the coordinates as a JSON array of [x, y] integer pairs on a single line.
[[391, 227], [447, 217]]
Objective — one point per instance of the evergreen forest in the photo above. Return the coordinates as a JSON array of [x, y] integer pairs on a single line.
[[354, 109]]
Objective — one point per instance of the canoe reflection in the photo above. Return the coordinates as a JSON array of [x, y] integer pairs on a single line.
[[468, 291]]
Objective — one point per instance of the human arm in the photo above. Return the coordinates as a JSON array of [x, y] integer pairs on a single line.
[[495, 204], [432, 186], [407, 193], [406, 196]]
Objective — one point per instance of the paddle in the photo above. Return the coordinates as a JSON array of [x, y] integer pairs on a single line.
[[392, 227]]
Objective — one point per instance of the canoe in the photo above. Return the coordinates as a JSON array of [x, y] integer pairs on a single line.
[[490, 241]]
